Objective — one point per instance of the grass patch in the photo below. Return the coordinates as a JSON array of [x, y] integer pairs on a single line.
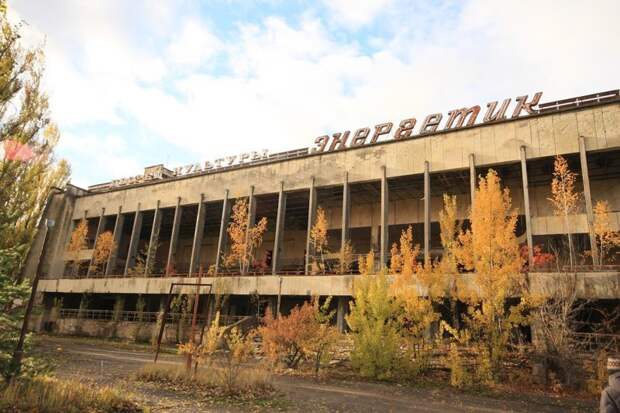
[[45, 394], [253, 387]]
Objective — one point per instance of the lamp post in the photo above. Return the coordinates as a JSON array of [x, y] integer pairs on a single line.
[[19, 349]]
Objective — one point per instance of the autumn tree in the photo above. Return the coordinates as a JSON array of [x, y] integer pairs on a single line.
[[104, 247], [366, 264], [77, 243], [564, 199], [447, 267], [29, 169], [491, 251], [245, 239], [606, 237], [345, 258], [412, 294], [305, 333], [318, 237], [374, 326]]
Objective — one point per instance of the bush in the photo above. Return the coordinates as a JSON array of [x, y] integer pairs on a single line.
[[374, 326], [304, 334], [44, 394]]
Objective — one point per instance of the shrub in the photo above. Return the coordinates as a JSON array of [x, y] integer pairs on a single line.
[[374, 327], [44, 394], [305, 333]]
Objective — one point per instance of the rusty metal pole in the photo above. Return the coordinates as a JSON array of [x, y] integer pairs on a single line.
[[194, 316], [163, 323], [16, 361]]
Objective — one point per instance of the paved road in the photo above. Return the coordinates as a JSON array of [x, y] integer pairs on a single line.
[[106, 363]]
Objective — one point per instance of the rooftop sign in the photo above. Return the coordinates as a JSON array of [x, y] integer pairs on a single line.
[[159, 172], [456, 119]]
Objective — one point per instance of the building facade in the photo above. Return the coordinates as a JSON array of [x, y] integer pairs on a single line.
[[169, 226]]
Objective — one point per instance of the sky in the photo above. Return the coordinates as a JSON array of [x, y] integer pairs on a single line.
[[142, 82]]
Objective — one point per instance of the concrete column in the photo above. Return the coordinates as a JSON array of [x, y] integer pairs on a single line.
[[583, 157], [251, 218], [277, 241], [221, 240], [427, 213], [375, 238], [528, 214], [152, 249], [311, 216], [174, 237], [340, 313], [100, 227], [119, 306], [134, 240], [194, 261], [383, 255], [346, 211], [472, 177], [116, 236]]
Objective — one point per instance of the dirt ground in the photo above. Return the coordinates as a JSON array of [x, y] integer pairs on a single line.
[[104, 362]]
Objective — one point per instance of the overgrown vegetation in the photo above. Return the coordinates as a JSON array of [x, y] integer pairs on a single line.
[[49, 395], [253, 385], [245, 238]]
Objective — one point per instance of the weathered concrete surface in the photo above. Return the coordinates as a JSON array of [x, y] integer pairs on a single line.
[[126, 330], [601, 285], [335, 285]]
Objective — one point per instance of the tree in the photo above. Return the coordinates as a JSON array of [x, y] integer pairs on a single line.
[[305, 332], [25, 182], [244, 239], [374, 327], [318, 237], [13, 297], [104, 247], [366, 264], [77, 243], [490, 249], [448, 265], [345, 258], [606, 237], [416, 312], [564, 199]]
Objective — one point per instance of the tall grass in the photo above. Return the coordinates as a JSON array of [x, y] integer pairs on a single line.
[[44, 394], [249, 382]]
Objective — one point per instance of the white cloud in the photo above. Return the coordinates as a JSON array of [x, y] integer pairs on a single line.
[[356, 12], [109, 153], [193, 45]]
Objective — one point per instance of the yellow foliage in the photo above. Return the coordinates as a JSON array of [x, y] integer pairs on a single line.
[[345, 258], [564, 198], [104, 246], [367, 264], [244, 240], [606, 238], [78, 237], [490, 249], [318, 236]]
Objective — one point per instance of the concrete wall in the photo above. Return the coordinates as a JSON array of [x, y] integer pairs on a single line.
[[604, 285], [126, 330], [336, 285]]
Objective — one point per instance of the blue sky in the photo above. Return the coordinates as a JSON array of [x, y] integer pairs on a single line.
[[137, 83]]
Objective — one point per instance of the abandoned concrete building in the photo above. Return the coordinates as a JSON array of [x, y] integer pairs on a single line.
[[370, 193]]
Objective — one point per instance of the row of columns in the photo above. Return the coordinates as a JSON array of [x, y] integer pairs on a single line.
[[312, 206]]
